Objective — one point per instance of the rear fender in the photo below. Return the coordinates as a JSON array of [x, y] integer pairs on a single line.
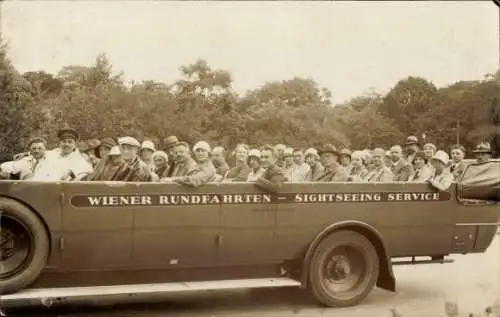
[[386, 278]]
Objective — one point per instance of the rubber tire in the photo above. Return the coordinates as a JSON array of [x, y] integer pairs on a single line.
[[330, 242], [40, 247]]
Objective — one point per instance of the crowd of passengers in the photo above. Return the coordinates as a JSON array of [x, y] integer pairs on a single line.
[[127, 159]]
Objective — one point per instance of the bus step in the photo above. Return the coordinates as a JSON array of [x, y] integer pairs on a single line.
[[54, 296], [437, 260]]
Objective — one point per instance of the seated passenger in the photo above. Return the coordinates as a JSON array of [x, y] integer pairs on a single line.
[[240, 172], [273, 177], [136, 170], [422, 171], [90, 151], [381, 172], [219, 160], [442, 177], [160, 160], [301, 171], [316, 169], [483, 152], [401, 169], [457, 168], [110, 168], [146, 154], [25, 167], [183, 163], [333, 172], [204, 172], [254, 163], [368, 162], [345, 159], [64, 163], [358, 170], [103, 149]]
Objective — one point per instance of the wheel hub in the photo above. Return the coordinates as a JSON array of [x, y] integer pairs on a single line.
[[343, 270], [6, 244], [15, 247]]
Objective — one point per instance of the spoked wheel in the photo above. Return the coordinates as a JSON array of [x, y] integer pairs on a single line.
[[344, 269], [24, 246], [15, 247]]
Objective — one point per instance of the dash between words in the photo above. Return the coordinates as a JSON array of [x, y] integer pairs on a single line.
[[216, 199]]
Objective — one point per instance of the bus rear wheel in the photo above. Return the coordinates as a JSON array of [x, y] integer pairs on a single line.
[[344, 269], [24, 246]]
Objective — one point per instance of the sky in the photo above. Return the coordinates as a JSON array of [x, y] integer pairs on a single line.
[[347, 47]]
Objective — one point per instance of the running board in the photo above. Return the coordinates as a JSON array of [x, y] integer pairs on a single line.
[[413, 261], [53, 296]]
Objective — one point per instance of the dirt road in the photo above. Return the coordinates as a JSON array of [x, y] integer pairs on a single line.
[[473, 282]]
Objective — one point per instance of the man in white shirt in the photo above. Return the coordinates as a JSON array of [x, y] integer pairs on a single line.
[[25, 167], [65, 162]]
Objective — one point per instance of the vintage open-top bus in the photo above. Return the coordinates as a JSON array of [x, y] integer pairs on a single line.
[[74, 239]]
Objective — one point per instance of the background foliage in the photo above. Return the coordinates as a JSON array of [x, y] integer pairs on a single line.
[[202, 104]]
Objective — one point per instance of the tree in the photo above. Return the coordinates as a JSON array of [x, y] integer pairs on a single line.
[[15, 108], [296, 92], [407, 101]]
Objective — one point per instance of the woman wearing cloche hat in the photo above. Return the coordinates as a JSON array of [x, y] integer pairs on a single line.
[[442, 177]]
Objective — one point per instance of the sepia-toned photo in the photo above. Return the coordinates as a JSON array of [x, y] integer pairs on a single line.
[[246, 158]]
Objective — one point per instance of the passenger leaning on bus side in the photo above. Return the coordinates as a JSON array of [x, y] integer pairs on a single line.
[[442, 178], [381, 173], [334, 172], [274, 176], [253, 160], [204, 172]]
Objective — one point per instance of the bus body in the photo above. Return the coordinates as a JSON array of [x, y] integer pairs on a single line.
[[338, 239]]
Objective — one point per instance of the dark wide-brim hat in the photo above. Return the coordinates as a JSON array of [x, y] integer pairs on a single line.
[[171, 141], [411, 140], [329, 148], [106, 142], [483, 148], [68, 133]]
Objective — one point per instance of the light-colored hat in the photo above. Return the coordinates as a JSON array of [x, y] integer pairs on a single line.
[[432, 146], [379, 151], [281, 147], [311, 151], [288, 152], [441, 156], [161, 154], [128, 140], [345, 152], [254, 152], [148, 145], [218, 149], [483, 147], [359, 154], [202, 145], [115, 150]]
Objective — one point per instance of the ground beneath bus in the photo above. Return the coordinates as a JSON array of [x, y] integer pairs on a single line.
[[473, 282]]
